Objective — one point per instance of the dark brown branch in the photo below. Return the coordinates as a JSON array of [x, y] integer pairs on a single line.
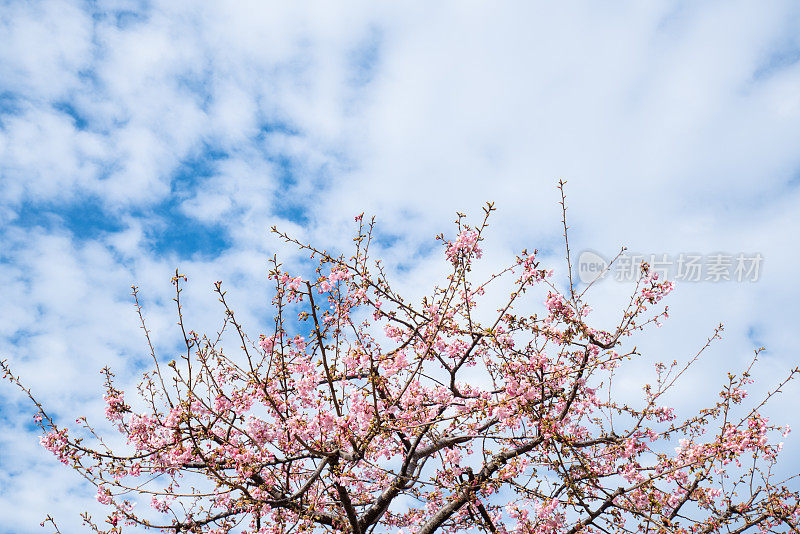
[[594, 515], [463, 496], [321, 343]]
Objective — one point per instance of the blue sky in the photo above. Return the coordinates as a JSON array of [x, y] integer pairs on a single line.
[[137, 137]]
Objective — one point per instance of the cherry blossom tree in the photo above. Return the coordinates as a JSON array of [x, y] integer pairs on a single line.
[[361, 411]]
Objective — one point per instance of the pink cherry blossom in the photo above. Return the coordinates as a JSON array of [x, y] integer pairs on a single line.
[[488, 405]]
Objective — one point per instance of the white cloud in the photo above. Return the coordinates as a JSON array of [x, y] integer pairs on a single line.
[[46, 45]]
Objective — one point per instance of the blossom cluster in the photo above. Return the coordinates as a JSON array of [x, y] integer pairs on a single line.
[[369, 412]]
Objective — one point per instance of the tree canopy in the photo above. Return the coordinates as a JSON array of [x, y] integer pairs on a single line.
[[361, 411]]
